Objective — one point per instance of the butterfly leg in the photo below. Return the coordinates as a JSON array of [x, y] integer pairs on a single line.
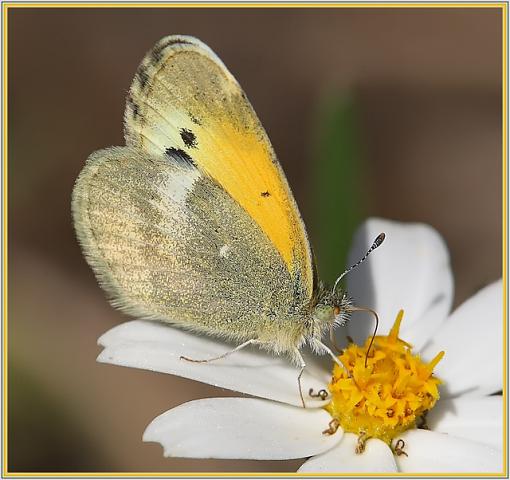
[[321, 348], [223, 355], [302, 366]]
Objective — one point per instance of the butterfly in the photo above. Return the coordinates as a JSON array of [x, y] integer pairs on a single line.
[[192, 222]]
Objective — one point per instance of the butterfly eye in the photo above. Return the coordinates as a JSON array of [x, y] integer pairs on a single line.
[[336, 311]]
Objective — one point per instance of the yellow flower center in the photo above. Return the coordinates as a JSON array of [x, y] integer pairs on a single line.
[[387, 396]]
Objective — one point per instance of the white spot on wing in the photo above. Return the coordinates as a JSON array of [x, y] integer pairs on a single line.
[[224, 251], [180, 183]]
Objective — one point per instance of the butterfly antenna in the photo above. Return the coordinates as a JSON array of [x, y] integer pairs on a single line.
[[377, 243]]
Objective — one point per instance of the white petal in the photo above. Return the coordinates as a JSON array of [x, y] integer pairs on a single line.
[[431, 452], [411, 270], [472, 339], [377, 458], [158, 347], [247, 428], [477, 419]]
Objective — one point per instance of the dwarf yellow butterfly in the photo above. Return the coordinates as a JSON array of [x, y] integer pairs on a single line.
[[193, 223]]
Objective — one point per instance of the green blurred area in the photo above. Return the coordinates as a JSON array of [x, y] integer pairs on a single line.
[[339, 194]]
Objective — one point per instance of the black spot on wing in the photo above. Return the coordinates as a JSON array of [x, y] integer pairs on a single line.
[[179, 156], [143, 77], [175, 41], [133, 107], [188, 137], [265, 194], [194, 119], [157, 54], [157, 51]]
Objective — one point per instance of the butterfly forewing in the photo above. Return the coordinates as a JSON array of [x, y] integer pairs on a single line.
[[184, 98]]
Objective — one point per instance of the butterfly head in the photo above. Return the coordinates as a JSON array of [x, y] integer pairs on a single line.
[[333, 307]]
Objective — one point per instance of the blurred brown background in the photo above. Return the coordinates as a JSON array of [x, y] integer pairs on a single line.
[[427, 88]]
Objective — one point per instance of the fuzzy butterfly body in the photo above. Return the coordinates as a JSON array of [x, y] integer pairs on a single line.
[[192, 222]]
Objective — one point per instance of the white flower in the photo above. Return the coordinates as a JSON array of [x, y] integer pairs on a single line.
[[411, 271]]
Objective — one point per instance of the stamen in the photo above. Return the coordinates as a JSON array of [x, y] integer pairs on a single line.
[[362, 443], [322, 394], [399, 448], [333, 427]]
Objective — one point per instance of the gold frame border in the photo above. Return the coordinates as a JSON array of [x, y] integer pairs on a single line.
[[6, 6]]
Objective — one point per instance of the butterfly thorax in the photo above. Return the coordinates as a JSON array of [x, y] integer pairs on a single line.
[[328, 309]]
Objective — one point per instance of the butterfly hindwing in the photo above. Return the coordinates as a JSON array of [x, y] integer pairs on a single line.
[[167, 242]]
